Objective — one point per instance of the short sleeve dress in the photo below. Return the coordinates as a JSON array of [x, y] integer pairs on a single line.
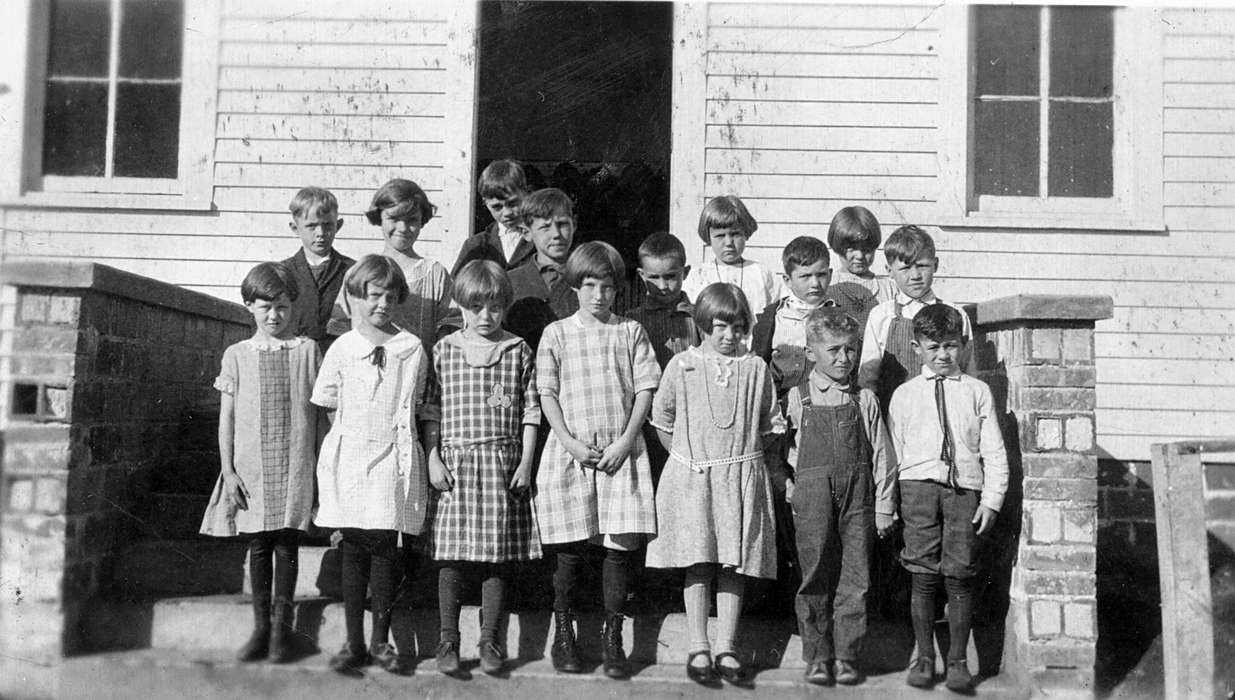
[[714, 501], [371, 472], [594, 370], [488, 393], [427, 310], [274, 439]]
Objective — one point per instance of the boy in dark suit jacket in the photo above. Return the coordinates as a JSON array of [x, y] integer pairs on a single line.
[[502, 186], [317, 267]]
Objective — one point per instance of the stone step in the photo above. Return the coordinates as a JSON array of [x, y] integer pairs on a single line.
[[158, 674], [171, 567], [221, 623]]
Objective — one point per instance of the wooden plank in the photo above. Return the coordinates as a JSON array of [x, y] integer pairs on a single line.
[[1198, 21], [899, 17], [314, 31], [388, 153], [822, 138], [1196, 169], [337, 10], [1198, 46], [1211, 145], [1132, 447], [292, 127], [821, 66], [1167, 346], [823, 40], [1189, 218], [332, 79], [345, 104], [958, 284], [1206, 121], [814, 113], [793, 88], [1139, 421], [816, 212], [120, 223], [856, 186], [1212, 242], [1183, 570], [270, 199], [819, 163], [341, 56], [1092, 265], [293, 175], [1200, 95], [1179, 372], [1163, 397], [268, 243], [1209, 194], [1198, 70], [1170, 320]]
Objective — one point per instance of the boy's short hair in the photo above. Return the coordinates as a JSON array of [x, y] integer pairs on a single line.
[[724, 302], [663, 245], [830, 319], [403, 196], [268, 280], [379, 270], [853, 227], [803, 251], [595, 259], [313, 199], [938, 322], [909, 244], [482, 281], [725, 211], [501, 179], [546, 204]]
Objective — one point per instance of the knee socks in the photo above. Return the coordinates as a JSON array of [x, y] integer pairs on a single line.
[[492, 601], [286, 565], [697, 595], [922, 612], [260, 574], [565, 576], [449, 593], [451, 579], [616, 580], [729, 589], [960, 615]]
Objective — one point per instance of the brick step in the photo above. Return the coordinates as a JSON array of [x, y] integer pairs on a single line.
[[157, 674], [221, 623]]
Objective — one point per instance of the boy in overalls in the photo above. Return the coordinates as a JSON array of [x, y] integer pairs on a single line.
[[842, 491]]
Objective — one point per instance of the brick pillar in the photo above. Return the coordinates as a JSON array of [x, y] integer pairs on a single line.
[[1037, 353]]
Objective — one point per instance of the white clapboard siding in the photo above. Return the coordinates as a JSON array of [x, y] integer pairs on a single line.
[[292, 127], [815, 137], [315, 103], [298, 30], [333, 79], [396, 154]]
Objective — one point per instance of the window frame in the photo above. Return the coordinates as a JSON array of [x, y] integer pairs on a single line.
[[1136, 204], [24, 33]]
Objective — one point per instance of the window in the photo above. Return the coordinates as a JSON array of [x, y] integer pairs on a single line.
[[1057, 124], [115, 106]]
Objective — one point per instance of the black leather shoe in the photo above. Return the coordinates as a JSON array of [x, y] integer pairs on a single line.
[[448, 658], [846, 674], [350, 660], [258, 646], [615, 663], [490, 658], [732, 674], [820, 673], [959, 679], [921, 673], [564, 652], [704, 675]]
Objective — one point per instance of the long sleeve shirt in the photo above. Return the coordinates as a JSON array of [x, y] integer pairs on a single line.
[[826, 392], [913, 421]]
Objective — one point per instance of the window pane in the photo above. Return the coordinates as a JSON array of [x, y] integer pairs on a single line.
[[1081, 47], [1006, 43], [147, 130], [1006, 148], [79, 38], [150, 38], [1080, 151], [75, 129]]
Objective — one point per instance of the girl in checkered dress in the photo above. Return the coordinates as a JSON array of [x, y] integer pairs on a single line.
[[371, 479], [596, 373], [267, 439], [481, 512]]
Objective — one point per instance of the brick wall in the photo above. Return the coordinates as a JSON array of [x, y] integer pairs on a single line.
[[102, 373], [1037, 354]]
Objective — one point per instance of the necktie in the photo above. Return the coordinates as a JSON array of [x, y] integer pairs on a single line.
[[378, 357], [947, 453]]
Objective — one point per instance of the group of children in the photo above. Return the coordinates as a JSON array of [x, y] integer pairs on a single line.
[[503, 412]]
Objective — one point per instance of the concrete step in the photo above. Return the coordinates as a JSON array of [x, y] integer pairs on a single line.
[[157, 674], [221, 623], [174, 567]]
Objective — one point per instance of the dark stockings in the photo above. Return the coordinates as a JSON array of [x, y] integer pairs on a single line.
[[273, 558], [371, 560], [451, 579]]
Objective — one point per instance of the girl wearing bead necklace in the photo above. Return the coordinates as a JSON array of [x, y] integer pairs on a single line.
[[713, 412]]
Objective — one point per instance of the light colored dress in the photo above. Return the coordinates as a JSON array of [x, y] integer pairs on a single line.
[[371, 473], [488, 393], [274, 438], [714, 500], [594, 371], [427, 310], [760, 285]]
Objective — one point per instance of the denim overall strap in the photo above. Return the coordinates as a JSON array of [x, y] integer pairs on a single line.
[[899, 362]]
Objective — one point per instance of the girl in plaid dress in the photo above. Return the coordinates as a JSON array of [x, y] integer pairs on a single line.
[[371, 478], [596, 373], [267, 440], [481, 512]]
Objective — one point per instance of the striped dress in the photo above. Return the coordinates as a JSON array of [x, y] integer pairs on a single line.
[[594, 370], [488, 393]]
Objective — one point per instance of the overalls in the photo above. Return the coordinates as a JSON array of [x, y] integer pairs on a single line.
[[833, 507], [900, 362]]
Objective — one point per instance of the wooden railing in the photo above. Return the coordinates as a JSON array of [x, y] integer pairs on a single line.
[[1183, 565]]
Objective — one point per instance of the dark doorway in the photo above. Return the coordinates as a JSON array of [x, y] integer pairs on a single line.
[[579, 93]]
